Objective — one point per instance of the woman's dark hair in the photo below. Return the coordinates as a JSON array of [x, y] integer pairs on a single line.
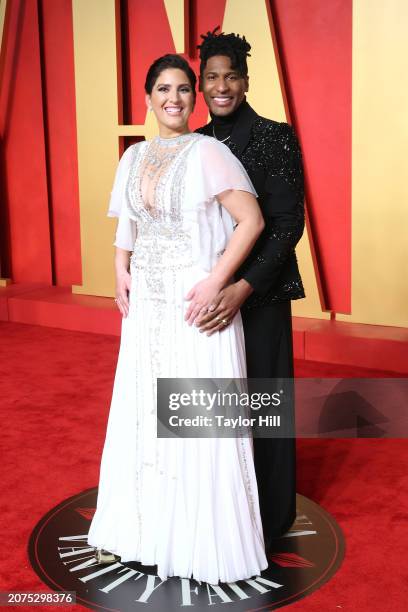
[[232, 45], [171, 60]]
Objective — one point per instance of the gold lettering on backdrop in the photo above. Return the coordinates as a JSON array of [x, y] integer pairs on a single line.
[[97, 136], [379, 186], [98, 131], [96, 82], [3, 4], [265, 95], [175, 10]]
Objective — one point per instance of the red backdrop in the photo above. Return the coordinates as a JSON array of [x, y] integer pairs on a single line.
[[40, 231]]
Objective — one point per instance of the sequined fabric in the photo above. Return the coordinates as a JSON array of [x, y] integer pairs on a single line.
[[271, 154]]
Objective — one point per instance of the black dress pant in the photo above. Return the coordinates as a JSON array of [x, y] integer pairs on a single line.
[[269, 353]]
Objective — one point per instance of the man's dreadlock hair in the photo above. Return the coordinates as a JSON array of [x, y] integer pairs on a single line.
[[232, 45]]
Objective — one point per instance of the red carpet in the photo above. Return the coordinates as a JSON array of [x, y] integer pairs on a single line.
[[55, 393]]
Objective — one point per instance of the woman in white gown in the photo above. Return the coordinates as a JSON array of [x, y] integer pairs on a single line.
[[189, 506]]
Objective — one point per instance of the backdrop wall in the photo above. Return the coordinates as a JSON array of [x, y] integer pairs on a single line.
[[72, 74]]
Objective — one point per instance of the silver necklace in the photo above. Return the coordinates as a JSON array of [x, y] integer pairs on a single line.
[[163, 150], [223, 140]]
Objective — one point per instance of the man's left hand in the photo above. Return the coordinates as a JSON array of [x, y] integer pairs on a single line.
[[224, 307]]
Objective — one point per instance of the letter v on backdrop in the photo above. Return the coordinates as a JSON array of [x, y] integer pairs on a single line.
[[98, 100]]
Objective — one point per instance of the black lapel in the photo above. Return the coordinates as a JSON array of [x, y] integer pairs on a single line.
[[241, 131], [206, 129]]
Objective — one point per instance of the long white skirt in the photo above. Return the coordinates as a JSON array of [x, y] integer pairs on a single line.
[[189, 506]]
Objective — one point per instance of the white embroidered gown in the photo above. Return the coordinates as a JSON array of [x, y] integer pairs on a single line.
[[189, 506]]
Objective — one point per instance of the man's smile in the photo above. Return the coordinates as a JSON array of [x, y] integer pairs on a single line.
[[222, 100]]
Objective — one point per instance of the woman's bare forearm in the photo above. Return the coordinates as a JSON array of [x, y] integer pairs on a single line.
[[239, 247], [122, 259], [123, 280]]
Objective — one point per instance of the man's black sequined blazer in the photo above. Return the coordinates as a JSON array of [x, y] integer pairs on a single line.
[[271, 155]]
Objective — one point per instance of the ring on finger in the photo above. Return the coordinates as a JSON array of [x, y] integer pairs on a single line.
[[224, 322]]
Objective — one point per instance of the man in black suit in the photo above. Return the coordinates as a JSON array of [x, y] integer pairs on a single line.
[[269, 279]]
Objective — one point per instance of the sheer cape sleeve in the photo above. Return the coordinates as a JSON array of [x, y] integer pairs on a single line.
[[213, 171], [126, 228], [221, 170]]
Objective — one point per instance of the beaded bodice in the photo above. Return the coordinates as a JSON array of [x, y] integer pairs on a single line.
[[155, 186], [155, 195]]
